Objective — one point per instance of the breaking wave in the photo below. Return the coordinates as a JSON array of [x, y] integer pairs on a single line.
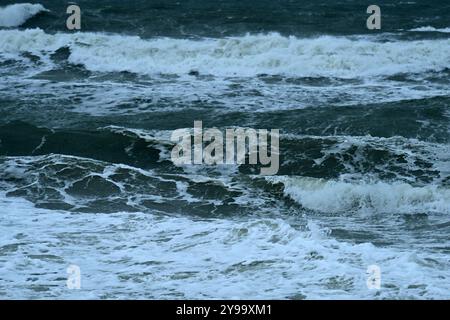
[[17, 14], [339, 196], [248, 55]]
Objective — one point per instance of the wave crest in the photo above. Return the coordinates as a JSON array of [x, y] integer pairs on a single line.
[[17, 14], [337, 196], [246, 56]]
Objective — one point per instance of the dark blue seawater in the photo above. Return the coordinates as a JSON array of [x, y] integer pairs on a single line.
[[86, 176]]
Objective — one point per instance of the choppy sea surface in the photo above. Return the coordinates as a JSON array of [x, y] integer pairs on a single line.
[[85, 171]]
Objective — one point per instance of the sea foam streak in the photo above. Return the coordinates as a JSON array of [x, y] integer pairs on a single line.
[[338, 196], [248, 55], [17, 14], [431, 29]]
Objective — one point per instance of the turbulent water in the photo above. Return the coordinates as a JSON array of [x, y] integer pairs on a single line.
[[85, 170]]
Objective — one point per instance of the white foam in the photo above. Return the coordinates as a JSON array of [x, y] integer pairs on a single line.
[[353, 152], [100, 98], [331, 196], [238, 56], [136, 255], [17, 14], [431, 29]]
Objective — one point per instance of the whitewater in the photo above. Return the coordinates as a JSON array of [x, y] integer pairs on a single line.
[[86, 176], [247, 56]]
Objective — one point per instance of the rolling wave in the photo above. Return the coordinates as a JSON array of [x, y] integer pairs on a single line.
[[246, 56], [17, 14], [85, 150], [381, 197]]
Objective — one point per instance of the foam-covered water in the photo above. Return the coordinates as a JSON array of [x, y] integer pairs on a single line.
[[85, 171], [136, 255]]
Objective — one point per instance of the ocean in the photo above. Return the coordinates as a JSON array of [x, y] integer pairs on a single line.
[[86, 177]]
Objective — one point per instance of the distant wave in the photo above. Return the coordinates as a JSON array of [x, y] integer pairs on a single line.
[[431, 29], [337, 196], [248, 55], [17, 14]]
